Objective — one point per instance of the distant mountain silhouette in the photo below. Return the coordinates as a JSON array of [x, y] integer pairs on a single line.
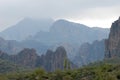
[[61, 33], [13, 47], [69, 32], [26, 28]]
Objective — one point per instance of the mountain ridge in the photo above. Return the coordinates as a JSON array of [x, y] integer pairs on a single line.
[[25, 28], [65, 31]]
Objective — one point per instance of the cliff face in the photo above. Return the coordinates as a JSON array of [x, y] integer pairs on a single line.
[[26, 57], [54, 60], [90, 53], [29, 58], [113, 42]]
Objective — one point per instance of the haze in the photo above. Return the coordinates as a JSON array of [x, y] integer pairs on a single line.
[[100, 13]]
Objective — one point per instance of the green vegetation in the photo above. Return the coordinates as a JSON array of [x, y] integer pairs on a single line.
[[9, 67], [67, 64], [6, 67], [106, 70], [94, 72]]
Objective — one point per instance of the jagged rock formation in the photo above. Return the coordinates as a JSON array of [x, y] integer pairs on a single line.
[[56, 58], [113, 42], [29, 58], [26, 57], [89, 53]]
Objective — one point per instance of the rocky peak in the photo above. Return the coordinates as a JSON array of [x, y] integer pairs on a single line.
[[26, 57], [113, 42], [90, 52], [60, 50], [29, 58], [54, 60], [27, 51]]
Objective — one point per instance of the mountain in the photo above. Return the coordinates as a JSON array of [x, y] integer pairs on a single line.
[[26, 57], [29, 58], [70, 49], [70, 35], [13, 47], [57, 59], [89, 53], [113, 42], [26, 28], [63, 31], [9, 46]]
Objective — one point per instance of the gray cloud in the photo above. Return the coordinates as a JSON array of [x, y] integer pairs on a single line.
[[11, 10]]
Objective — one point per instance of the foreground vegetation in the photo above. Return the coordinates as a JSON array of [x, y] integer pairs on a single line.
[[92, 72]]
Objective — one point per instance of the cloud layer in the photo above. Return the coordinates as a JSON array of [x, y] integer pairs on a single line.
[[76, 10]]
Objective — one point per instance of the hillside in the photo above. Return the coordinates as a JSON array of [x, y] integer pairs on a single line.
[[26, 28], [63, 31]]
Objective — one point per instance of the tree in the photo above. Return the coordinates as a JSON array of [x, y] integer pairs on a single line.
[[67, 64]]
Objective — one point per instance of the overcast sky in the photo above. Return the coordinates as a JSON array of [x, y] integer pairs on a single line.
[[93, 13]]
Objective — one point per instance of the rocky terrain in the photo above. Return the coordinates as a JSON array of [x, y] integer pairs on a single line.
[[113, 42], [89, 53], [29, 58]]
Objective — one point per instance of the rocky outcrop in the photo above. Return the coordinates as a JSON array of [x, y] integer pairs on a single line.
[[113, 42], [26, 57], [29, 58], [89, 53], [54, 60]]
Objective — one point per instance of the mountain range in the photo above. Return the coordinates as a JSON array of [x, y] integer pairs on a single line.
[[50, 61], [63, 31], [48, 31], [26, 28], [77, 39]]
